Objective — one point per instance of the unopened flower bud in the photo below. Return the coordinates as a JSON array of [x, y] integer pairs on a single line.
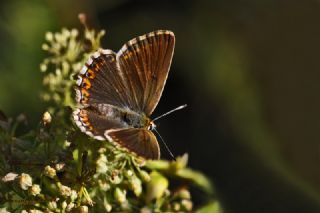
[[50, 172], [65, 191], [46, 118], [70, 206], [35, 189], [52, 205], [9, 177], [144, 176], [120, 195], [25, 181], [187, 204], [84, 209]]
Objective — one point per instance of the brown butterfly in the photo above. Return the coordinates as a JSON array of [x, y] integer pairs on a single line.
[[117, 92]]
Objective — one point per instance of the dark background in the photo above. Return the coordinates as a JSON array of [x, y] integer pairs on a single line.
[[248, 70]]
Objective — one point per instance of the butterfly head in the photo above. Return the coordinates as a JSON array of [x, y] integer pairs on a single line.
[[152, 126]]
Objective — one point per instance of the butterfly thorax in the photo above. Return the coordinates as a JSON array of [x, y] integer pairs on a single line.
[[124, 115]]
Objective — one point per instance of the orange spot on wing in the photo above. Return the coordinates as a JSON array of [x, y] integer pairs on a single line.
[[86, 83], [84, 92]]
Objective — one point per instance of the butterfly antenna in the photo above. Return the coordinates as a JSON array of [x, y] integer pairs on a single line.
[[171, 111], [167, 148]]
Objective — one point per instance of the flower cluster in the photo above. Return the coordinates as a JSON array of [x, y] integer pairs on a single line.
[[56, 168]]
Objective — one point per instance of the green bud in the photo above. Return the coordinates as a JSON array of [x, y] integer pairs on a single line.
[[144, 176], [120, 195], [183, 194], [52, 205], [73, 195], [107, 205], [157, 186], [135, 185], [186, 204], [101, 164]]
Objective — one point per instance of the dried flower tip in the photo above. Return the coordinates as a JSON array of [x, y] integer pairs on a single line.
[[9, 177], [21, 118], [120, 195], [46, 118], [115, 179], [83, 19], [50, 172], [65, 191], [84, 209], [25, 181], [35, 189]]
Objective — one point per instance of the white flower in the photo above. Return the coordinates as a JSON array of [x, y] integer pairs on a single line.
[[35, 189], [50, 172], [25, 181]]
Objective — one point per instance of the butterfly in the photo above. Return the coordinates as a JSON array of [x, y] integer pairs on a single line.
[[117, 92]]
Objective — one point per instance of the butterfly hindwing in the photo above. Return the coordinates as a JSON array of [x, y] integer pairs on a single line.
[[94, 123], [140, 141]]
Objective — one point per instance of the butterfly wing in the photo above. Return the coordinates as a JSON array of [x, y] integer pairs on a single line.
[[145, 63], [140, 141], [95, 123], [132, 79], [100, 81]]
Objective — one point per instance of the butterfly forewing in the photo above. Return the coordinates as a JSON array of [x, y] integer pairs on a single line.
[[100, 81], [145, 63]]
